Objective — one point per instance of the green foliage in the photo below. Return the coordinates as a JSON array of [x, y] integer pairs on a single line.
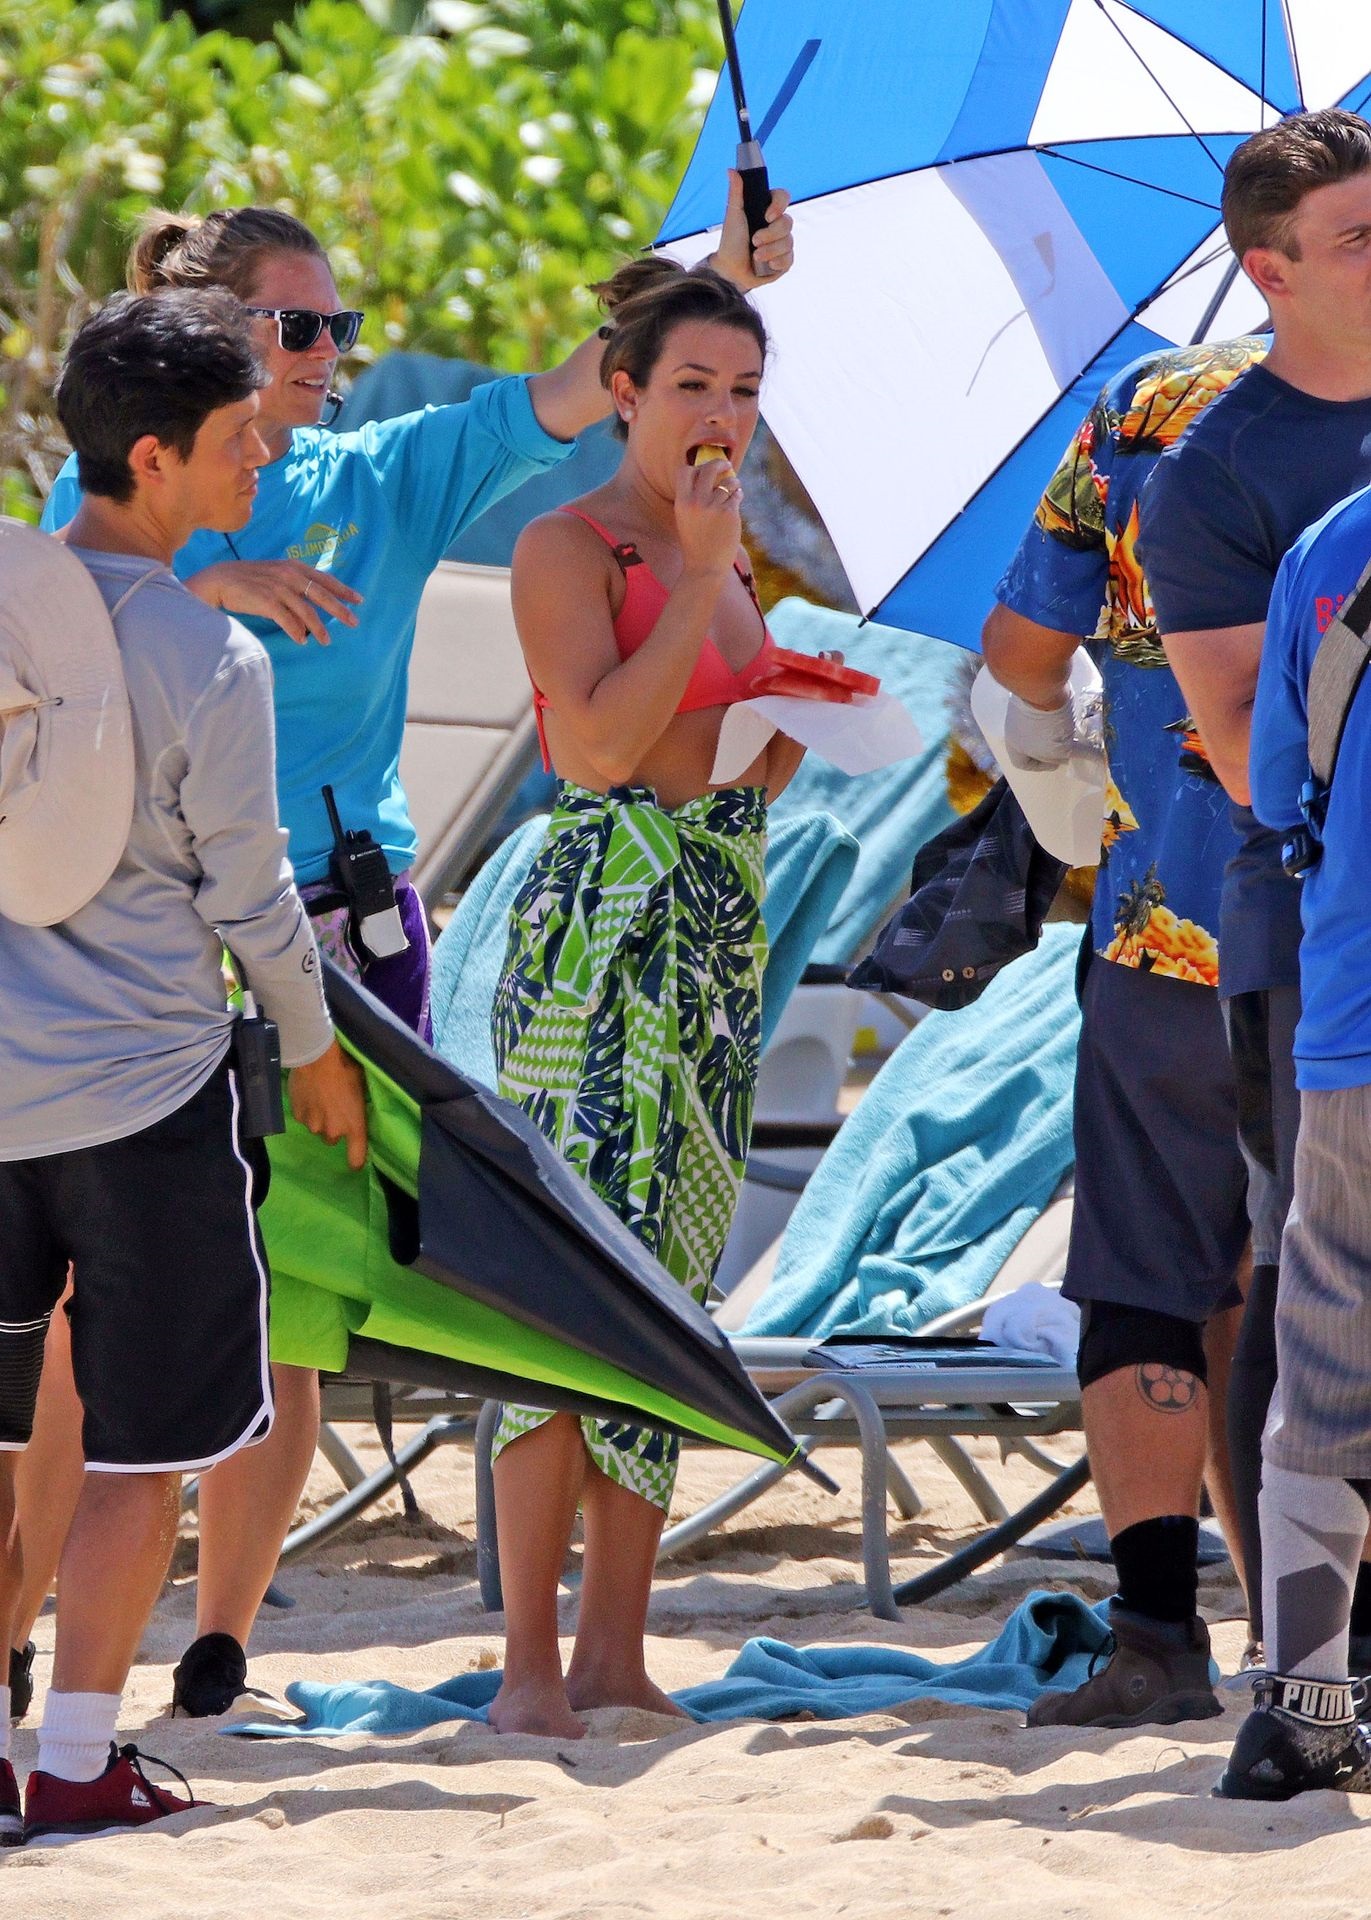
[[471, 165]]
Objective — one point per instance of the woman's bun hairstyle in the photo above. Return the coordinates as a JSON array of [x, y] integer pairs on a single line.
[[162, 234], [224, 249], [646, 298]]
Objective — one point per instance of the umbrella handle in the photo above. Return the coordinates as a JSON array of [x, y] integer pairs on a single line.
[[756, 187], [813, 1472]]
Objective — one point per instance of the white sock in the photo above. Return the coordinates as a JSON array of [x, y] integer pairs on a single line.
[[74, 1739], [5, 1704]]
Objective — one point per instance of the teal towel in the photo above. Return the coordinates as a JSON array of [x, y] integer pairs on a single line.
[[952, 1154], [1048, 1641], [470, 952], [809, 861], [893, 812]]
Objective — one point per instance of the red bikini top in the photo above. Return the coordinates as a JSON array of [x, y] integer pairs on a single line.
[[713, 682]]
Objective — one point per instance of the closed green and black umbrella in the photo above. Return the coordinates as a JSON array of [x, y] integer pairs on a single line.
[[469, 1245]]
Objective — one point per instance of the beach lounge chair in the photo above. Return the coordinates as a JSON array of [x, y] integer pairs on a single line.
[[469, 732], [916, 1216]]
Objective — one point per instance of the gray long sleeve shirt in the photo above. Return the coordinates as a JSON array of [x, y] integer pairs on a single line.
[[116, 1017]]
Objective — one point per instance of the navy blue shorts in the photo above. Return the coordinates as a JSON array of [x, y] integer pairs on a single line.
[[1160, 1219], [169, 1292]]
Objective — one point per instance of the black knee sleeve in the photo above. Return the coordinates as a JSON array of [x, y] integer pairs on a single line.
[[1114, 1337]]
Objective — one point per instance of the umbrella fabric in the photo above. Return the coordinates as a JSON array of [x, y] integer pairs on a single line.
[[1001, 204], [467, 1238]]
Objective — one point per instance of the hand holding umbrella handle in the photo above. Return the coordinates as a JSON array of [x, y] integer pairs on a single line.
[[756, 188]]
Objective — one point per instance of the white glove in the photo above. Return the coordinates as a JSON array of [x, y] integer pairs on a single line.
[[1037, 739]]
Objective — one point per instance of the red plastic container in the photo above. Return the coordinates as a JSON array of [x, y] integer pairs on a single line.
[[805, 677]]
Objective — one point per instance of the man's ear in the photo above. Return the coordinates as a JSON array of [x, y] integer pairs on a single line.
[[1269, 271], [150, 460]]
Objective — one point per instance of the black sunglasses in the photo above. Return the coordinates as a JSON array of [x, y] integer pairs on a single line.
[[297, 328]]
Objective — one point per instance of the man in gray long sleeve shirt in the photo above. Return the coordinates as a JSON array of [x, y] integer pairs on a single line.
[[115, 1017], [121, 1152]]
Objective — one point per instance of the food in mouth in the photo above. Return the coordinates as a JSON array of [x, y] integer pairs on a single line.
[[703, 455]]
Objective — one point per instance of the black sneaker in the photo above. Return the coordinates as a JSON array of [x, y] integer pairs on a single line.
[[1301, 1736], [212, 1672], [21, 1680], [1157, 1674]]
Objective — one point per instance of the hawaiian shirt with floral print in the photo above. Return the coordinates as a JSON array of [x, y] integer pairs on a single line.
[[1167, 833]]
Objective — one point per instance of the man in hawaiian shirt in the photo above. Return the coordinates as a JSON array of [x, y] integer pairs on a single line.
[[1161, 1216]]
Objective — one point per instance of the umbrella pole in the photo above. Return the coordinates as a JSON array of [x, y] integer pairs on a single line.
[[750, 164], [1210, 314]]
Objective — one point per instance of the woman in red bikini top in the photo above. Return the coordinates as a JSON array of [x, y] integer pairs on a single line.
[[635, 604], [627, 1020]]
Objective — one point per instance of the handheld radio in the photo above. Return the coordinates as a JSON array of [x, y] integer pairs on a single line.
[[257, 1056], [360, 873]]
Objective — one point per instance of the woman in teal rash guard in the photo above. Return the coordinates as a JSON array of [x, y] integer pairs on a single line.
[[328, 574]]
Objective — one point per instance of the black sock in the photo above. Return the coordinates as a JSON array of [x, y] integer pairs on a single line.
[[1361, 1600], [1158, 1566]]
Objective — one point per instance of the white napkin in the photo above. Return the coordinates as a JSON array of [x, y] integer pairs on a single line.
[[871, 730]]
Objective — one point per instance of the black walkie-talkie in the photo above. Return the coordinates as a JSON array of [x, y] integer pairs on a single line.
[[257, 1056], [362, 875]]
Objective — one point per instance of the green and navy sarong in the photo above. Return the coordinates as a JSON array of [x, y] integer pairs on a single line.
[[627, 1025]]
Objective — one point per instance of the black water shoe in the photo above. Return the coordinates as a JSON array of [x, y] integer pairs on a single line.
[[213, 1671], [21, 1680]]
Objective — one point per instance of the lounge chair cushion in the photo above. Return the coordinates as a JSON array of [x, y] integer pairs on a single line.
[[955, 1150]]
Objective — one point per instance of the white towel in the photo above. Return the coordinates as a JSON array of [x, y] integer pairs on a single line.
[[1035, 1317]]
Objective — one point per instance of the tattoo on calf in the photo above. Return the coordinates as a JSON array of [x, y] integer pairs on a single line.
[[1166, 1389]]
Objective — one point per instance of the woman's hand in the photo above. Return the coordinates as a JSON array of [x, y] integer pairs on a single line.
[[709, 517], [298, 598], [736, 258]]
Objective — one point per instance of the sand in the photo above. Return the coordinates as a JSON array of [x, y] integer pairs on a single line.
[[929, 1810]]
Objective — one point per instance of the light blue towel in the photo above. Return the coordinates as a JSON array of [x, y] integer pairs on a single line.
[[809, 861], [1048, 1641], [896, 811], [470, 952], [952, 1154]]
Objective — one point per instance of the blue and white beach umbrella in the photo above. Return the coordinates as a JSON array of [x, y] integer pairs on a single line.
[[999, 203]]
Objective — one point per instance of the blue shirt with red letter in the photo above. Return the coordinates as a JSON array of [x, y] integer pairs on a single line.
[[1333, 1040]]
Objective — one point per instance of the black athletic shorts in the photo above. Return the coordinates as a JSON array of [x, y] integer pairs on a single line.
[[1160, 1217], [169, 1298]]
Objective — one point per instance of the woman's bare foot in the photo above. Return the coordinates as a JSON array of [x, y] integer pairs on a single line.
[[535, 1708], [614, 1687]]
